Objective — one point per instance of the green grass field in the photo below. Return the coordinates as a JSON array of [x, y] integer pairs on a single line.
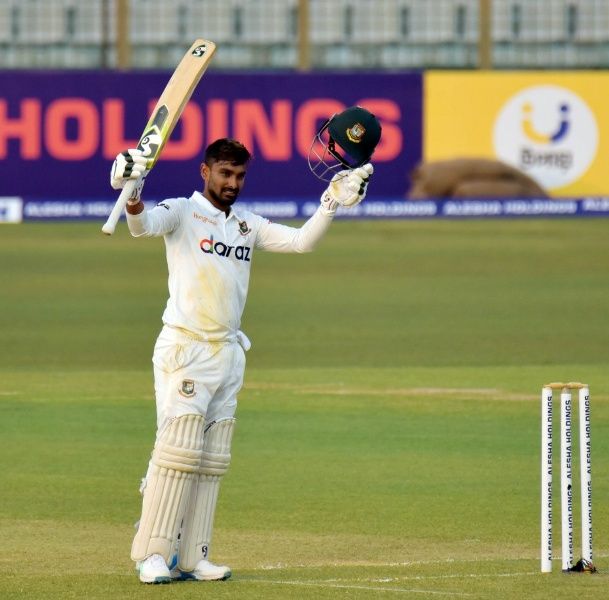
[[388, 433]]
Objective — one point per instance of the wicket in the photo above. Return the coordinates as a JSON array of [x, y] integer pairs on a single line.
[[566, 477]]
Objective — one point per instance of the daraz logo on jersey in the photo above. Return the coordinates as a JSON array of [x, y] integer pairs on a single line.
[[209, 246]]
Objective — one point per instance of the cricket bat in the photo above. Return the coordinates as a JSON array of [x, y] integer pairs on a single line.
[[165, 115]]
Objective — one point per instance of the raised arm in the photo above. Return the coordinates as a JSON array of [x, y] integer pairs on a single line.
[[347, 188], [164, 218]]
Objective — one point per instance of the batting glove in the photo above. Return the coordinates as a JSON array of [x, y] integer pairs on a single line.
[[347, 188], [129, 164]]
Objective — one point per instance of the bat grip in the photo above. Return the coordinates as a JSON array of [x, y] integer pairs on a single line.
[[119, 207]]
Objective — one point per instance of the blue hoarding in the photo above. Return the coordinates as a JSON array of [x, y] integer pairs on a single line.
[[60, 131]]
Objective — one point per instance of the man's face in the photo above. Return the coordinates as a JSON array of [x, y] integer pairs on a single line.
[[223, 182]]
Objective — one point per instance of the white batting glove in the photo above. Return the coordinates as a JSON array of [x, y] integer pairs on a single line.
[[347, 188], [129, 164]]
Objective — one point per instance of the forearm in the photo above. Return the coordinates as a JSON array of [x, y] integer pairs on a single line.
[[281, 238], [137, 219], [308, 236]]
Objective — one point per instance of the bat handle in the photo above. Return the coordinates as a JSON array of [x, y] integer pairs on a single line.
[[119, 207]]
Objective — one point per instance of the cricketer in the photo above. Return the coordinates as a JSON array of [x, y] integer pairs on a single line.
[[199, 355]]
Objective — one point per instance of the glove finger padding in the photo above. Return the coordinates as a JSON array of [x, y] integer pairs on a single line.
[[347, 188], [364, 174], [364, 171], [358, 184], [130, 164]]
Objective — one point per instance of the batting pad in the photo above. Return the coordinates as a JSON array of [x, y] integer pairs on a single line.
[[199, 518], [175, 464]]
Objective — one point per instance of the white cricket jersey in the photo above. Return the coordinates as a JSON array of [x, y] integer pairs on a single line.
[[209, 257]]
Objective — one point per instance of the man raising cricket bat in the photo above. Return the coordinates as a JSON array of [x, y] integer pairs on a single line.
[[199, 356]]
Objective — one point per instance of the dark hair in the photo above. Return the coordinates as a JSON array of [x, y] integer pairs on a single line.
[[228, 150]]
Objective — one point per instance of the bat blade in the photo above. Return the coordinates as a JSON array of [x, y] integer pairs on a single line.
[[166, 114]]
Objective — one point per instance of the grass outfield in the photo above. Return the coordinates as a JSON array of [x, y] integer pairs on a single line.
[[388, 433]]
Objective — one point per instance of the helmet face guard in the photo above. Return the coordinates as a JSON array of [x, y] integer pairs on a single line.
[[347, 140]]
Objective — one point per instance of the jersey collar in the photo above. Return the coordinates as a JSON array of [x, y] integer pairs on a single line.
[[210, 209]]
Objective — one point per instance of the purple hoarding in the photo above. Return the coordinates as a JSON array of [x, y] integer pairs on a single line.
[[59, 131]]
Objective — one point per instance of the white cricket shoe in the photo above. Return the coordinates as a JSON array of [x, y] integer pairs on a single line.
[[204, 571], [154, 570]]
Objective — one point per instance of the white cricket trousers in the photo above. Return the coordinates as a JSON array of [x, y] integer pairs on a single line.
[[195, 377]]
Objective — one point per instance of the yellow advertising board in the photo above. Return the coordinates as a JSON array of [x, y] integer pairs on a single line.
[[548, 124]]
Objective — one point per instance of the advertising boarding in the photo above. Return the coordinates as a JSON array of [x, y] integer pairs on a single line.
[[60, 132], [546, 124]]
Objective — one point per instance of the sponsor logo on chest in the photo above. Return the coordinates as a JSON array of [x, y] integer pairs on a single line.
[[210, 246]]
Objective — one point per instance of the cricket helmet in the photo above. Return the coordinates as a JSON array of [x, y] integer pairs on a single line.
[[345, 141]]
